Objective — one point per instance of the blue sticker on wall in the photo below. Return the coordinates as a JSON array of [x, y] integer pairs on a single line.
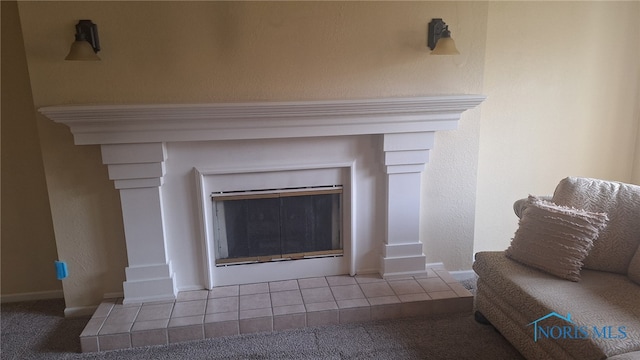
[[61, 270]]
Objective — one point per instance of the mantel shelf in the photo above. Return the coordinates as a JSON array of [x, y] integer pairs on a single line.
[[126, 124]]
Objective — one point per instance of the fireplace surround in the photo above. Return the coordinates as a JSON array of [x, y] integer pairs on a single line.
[[167, 159]]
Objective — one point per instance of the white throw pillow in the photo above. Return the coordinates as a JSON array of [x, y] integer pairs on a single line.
[[555, 239]]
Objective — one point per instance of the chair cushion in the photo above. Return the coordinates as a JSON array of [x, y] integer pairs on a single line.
[[617, 243], [555, 239]]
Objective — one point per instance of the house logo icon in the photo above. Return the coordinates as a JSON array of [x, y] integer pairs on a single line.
[[549, 315]]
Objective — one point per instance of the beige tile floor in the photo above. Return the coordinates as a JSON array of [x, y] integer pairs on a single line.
[[273, 306]]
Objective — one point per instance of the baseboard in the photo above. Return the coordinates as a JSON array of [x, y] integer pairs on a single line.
[[191, 288], [368, 271], [113, 295], [79, 311], [436, 265], [47, 295], [32, 296], [463, 275]]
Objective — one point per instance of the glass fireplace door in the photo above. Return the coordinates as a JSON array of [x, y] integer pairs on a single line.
[[286, 224]]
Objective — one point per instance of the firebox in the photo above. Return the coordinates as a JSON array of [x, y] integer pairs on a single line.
[[277, 225]]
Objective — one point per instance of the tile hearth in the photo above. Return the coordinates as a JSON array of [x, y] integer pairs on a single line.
[[272, 306]]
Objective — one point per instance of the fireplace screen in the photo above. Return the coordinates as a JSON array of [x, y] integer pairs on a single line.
[[286, 224]]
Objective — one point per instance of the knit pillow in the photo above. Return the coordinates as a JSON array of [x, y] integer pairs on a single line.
[[555, 239], [613, 249]]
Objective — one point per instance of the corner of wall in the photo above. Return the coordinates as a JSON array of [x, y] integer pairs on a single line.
[[28, 246]]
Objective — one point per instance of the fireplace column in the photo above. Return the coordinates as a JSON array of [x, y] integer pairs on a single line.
[[405, 155], [137, 171]]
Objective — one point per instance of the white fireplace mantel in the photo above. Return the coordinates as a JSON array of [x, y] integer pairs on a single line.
[[134, 140], [122, 124]]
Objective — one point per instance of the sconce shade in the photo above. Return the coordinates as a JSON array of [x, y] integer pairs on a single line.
[[439, 39], [87, 43], [445, 46], [82, 50]]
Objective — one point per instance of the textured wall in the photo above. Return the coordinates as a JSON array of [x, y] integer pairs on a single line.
[[562, 101], [28, 244], [172, 52]]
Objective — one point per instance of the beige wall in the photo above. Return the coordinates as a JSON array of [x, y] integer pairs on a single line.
[[28, 244], [563, 101], [156, 52], [559, 103]]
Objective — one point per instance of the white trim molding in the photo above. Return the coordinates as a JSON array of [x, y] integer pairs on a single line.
[[31, 296], [122, 124]]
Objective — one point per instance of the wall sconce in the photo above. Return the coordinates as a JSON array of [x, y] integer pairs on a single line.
[[87, 44], [439, 39]]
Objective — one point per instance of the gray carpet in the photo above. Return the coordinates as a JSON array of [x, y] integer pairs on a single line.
[[38, 330]]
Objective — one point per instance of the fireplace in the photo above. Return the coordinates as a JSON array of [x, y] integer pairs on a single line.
[[347, 173], [276, 225]]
